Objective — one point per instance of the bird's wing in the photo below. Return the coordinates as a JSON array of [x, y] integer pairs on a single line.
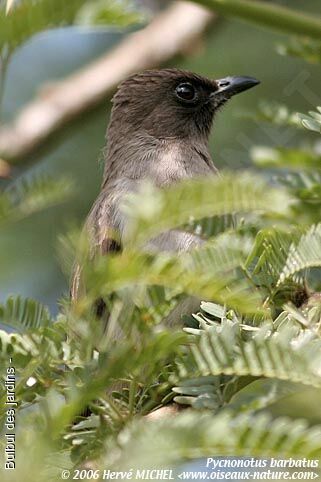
[[102, 228]]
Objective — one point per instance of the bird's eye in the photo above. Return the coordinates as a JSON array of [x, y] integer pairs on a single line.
[[186, 92]]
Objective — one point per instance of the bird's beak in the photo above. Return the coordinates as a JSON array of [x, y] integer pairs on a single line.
[[234, 85]]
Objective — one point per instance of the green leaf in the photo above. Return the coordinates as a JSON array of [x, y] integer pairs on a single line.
[[209, 272], [285, 354], [192, 435], [312, 121], [31, 16], [306, 254], [306, 188], [15, 345], [113, 12], [211, 226], [260, 394], [303, 48], [302, 400], [23, 313], [283, 157], [268, 257], [191, 200], [29, 196], [274, 113]]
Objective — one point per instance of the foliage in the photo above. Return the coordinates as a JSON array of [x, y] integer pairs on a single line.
[[208, 272], [115, 12], [222, 434], [313, 121], [286, 158], [304, 48], [23, 313], [245, 357], [274, 113], [226, 346], [307, 253], [181, 204], [15, 29], [269, 15], [29, 196], [43, 14]]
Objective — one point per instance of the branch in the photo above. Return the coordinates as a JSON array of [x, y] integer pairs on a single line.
[[169, 34], [4, 169], [268, 15]]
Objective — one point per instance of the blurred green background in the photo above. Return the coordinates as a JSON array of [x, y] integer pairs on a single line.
[[28, 250]]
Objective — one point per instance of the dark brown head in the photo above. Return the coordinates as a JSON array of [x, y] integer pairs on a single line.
[[172, 103]]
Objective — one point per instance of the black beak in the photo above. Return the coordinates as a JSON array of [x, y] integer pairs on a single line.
[[234, 85]]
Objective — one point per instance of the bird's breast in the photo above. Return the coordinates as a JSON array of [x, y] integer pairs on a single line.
[[175, 163]]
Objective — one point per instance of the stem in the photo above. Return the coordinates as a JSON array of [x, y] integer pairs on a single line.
[[114, 407], [4, 61], [132, 395], [268, 15]]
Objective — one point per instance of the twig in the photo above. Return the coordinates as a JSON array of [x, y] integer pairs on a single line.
[[5, 169], [269, 15], [5, 55], [169, 34]]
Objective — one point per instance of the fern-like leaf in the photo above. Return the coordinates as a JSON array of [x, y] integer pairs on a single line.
[[305, 48], [285, 354], [23, 313], [267, 260], [209, 272], [306, 254], [192, 200], [192, 435], [30, 196]]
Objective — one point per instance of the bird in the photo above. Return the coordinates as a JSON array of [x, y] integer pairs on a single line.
[[158, 131]]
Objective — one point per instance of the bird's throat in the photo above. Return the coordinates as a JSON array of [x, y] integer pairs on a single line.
[[161, 161]]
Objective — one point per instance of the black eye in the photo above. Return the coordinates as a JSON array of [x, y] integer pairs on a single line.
[[186, 91]]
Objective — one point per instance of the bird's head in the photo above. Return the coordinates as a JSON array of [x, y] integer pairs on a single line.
[[172, 103]]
